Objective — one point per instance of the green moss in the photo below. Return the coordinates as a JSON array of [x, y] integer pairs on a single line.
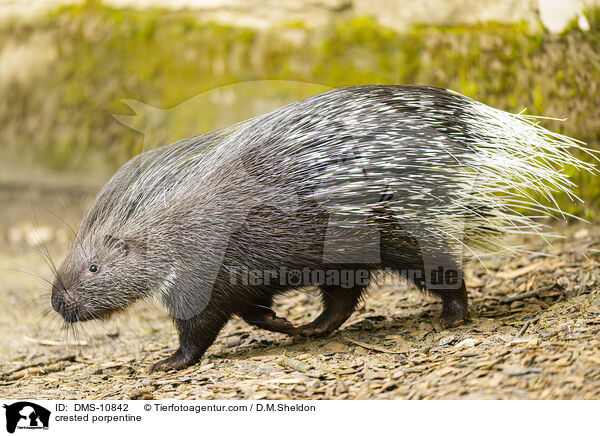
[[593, 17], [164, 57]]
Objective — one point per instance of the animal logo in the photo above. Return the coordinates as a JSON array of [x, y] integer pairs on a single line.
[[214, 109], [26, 415]]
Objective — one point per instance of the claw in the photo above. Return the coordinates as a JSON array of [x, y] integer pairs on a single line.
[[177, 361], [448, 320]]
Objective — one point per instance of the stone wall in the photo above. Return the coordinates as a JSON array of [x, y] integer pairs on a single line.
[[555, 15]]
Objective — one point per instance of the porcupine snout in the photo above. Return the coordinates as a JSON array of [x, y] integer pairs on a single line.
[[65, 304]]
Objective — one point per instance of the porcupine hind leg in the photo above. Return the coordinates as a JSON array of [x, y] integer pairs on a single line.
[[454, 302], [338, 305], [399, 249], [454, 306]]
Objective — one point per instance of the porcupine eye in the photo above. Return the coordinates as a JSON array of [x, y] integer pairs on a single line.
[[93, 268]]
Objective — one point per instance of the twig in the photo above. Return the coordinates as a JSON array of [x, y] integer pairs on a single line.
[[373, 347], [70, 358], [52, 343], [533, 293], [524, 328], [510, 275]]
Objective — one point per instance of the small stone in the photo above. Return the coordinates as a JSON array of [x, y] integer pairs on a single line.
[[398, 374], [143, 394], [520, 370], [315, 373], [515, 370], [533, 307], [341, 388], [313, 384], [335, 347], [371, 375], [232, 341], [447, 340], [295, 364], [469, 342]]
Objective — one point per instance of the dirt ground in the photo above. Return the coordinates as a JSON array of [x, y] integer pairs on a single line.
[[534, 333]]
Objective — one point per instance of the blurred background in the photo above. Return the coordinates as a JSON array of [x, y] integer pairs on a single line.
[[66, 67], [85, 86]]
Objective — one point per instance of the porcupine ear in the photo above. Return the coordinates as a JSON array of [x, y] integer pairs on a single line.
[[117, 243]]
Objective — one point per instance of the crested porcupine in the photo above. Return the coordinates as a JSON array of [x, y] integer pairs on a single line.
[[324, 192]]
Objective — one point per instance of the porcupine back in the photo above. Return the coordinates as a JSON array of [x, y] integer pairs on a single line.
[[450, 169]]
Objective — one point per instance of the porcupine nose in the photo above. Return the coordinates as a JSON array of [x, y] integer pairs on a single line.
[[57, 301]]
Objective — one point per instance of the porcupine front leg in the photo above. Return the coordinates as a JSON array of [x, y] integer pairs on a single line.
[[195, 336]]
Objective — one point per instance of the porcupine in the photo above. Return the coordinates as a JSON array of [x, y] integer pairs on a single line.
[[365, 178]]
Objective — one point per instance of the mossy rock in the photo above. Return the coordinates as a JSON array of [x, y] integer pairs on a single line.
[[65, 118]]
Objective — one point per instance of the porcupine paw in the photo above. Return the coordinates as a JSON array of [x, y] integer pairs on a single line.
[[277, 324], [266, 318], [449, 319], [313, 332], [177, 360], [319, 328]]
